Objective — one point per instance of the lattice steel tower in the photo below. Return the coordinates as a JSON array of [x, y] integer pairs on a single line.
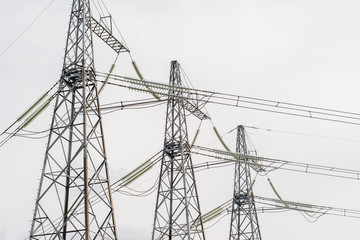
[[244, 221], [177, 213], [75, 170]]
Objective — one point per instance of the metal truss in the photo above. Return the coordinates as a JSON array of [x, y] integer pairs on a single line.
[[75, 171], [244, 221], [177, 213]]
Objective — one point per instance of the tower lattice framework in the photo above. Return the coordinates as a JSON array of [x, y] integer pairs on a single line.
[[177, 213], [244, 221], [75, 170]]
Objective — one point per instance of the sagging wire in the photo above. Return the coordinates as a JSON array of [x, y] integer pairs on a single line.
[[35, 132], [213, 214], [31, 134], [308, 211], [147, 165], [216, 222], [120, 185], [305, 214], [31, 137], [310, 215], [138, 193]]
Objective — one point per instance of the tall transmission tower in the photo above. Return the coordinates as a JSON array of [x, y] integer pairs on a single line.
[[244, 221], [177, 213], [75, 171]]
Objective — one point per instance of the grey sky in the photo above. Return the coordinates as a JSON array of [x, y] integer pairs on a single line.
[[305, 52]]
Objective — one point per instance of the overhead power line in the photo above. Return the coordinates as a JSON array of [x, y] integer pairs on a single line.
[[265, 165], [203, 97], [311, 212], [303, 134], [224, 159], [27, 28], [196, 100], [316, 210]]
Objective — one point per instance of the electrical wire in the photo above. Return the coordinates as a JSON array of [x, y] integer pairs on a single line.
[[221, 136], [29, 137], [311, 214], [139, 105], [224, 215], [266, 165], [302, 134], [27, 28], [138, 193], [241, 101]]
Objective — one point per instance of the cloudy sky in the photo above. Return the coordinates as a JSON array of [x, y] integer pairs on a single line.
[[304, 52]]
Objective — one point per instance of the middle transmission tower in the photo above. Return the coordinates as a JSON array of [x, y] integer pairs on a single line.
[[244, 221], [177, 213]]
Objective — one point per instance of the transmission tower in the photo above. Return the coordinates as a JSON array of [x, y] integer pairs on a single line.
[[177, 213], [75, 170], [244, 221]]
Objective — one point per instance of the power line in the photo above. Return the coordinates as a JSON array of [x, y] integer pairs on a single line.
[[22, 33], [225, 99], [302, 134], [308, 208], [265, 165]]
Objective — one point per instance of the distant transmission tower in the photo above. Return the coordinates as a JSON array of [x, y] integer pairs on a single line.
[[244, 221], [75, 170], [177, 213]]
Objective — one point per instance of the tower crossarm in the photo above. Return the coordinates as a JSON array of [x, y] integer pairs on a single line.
[[195, 110], [104, 34], [255, 162], [193, 102]]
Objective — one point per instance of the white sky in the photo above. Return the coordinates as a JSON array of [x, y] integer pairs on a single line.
[[304, 52]]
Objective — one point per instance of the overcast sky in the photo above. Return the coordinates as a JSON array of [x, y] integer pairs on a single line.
[[305, 52]]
